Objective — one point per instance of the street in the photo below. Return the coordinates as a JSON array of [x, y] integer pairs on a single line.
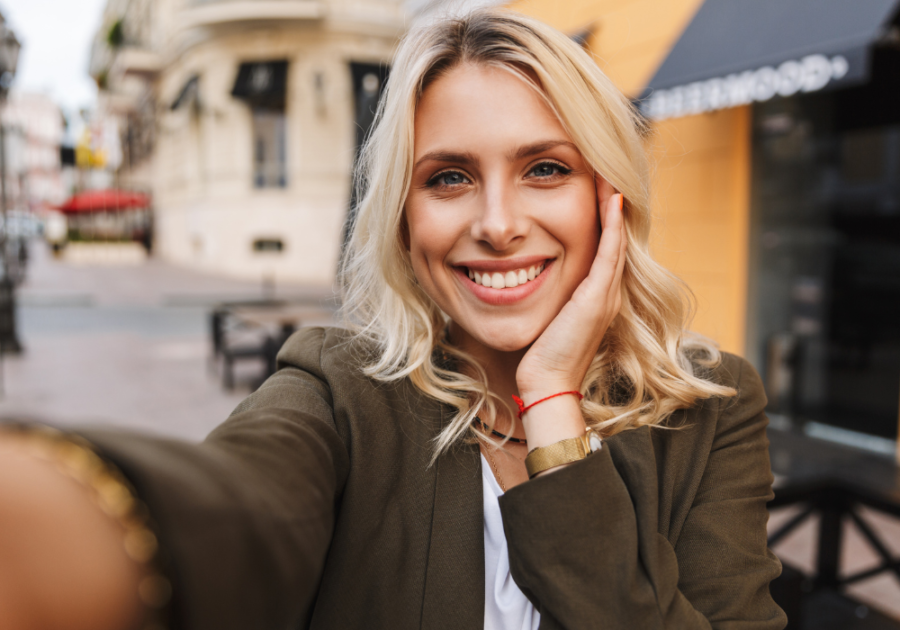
[[124, 344]]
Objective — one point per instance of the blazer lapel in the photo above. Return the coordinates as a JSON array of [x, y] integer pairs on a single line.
[[454, 578]]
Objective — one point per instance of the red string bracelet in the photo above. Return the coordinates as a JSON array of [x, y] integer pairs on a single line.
[[523, 408]]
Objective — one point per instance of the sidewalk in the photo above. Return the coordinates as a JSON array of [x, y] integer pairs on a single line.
[[123, 345]]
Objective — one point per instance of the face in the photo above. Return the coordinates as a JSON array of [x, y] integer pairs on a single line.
[[502, 221]]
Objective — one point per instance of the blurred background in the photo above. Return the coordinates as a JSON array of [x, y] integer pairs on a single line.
[[176, 191]]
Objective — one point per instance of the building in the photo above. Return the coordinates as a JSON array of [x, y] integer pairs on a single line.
[[776, 140], [34, 129], [243, 117]]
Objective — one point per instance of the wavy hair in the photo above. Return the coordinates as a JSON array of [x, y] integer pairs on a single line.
[[647, 365]]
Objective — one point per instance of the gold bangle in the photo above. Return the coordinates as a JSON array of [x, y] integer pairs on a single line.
[[562, 452], [75, 458]]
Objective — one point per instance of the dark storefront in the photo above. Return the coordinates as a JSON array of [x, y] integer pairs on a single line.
[[825, 249], [822, 79]]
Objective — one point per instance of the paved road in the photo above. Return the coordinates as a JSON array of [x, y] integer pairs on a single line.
[[123, 345]]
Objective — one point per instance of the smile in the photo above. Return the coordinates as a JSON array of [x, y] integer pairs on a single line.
[[507, 280], [504, 282]]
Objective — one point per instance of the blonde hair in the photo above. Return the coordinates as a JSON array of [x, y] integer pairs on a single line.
[[645, 366]]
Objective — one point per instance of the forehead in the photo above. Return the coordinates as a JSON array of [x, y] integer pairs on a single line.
[[474, 106]]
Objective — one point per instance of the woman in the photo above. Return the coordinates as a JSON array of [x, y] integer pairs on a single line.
[[499, 254]]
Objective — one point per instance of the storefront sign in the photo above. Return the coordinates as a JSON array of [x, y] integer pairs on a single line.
[[809, 74]]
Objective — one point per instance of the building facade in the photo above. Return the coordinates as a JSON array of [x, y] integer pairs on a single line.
[[242, 117], [34, 128]]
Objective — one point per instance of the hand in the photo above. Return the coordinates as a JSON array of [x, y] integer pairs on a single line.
[[62, 560], [559, 359]]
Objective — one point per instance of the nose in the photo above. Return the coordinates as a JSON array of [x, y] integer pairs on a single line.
[[500, 222]]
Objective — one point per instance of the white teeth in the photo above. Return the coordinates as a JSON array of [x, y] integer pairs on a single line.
[[508, 280]]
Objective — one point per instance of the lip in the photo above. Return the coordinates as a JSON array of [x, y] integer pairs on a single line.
[[500, 297], [507, 264]]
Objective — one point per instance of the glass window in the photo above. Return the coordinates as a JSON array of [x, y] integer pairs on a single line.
[[269, 148], [825, 259]]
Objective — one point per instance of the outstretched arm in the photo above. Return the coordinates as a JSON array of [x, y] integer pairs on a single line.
[[245, 518], [63, 562]]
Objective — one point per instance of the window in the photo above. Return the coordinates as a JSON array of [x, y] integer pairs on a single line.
[[269, 148], [263, 86]]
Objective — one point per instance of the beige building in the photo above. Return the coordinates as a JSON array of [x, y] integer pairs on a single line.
[[243, 118], [33, 125]]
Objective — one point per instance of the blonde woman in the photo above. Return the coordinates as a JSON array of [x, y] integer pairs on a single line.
[[516, 431]]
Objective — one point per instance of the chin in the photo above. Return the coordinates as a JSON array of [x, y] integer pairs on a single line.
[[506, 337]]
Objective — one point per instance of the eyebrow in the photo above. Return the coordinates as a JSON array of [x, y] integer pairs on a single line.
[[452, 157], [539, 147], [467, 158]]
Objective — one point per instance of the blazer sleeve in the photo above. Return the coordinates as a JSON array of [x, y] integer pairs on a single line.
[[246, 516], [586, 553]]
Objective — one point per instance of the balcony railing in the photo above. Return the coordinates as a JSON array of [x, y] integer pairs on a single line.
[[215, 12]]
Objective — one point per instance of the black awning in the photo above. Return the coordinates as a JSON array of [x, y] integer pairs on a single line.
[[738, 51], [262, 83], [188, 92]]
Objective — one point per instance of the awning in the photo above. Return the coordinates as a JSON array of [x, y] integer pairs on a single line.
[[735, 52], [188, 92], [111, 200], [262, 83]]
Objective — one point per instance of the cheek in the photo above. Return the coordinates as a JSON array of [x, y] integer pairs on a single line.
[[576, 225], [428, 242]]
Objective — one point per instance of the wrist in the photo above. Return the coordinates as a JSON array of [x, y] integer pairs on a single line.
[[533, 390], [555, 419]]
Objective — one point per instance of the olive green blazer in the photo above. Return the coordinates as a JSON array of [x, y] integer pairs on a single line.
[[314, 505]]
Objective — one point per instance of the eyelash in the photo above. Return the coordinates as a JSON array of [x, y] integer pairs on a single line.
[[561, 170]]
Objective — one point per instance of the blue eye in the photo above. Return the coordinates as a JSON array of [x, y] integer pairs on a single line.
[[546, 170], [447, 179]]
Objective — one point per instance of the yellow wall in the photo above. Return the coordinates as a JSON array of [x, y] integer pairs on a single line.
[[701, 211], [629, 38], [701, 187]]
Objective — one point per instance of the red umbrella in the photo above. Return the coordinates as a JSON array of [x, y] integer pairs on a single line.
[[105, 200]]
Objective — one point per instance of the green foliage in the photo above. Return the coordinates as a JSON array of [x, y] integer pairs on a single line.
[[115, 37]]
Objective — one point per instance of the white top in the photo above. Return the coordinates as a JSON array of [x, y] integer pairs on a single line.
[[505, 607]]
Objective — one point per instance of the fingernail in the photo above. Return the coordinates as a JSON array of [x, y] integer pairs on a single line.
[[621, 202]]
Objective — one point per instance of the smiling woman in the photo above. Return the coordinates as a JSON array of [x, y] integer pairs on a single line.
[[501, 147], [517, 430]]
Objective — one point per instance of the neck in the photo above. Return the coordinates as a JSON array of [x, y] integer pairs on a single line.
[[500, 368]]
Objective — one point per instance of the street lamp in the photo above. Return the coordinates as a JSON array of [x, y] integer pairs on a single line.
[[9, 58]]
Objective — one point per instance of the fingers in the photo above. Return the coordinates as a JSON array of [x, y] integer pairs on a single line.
[[623, 246], [605, 192], [620, 271], [616, 288], [609, 261], [613, 236]]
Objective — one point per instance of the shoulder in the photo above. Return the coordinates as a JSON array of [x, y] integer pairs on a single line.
[[746, 409], [312, 365], [336, 359], [738, 373], [325, 349]]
